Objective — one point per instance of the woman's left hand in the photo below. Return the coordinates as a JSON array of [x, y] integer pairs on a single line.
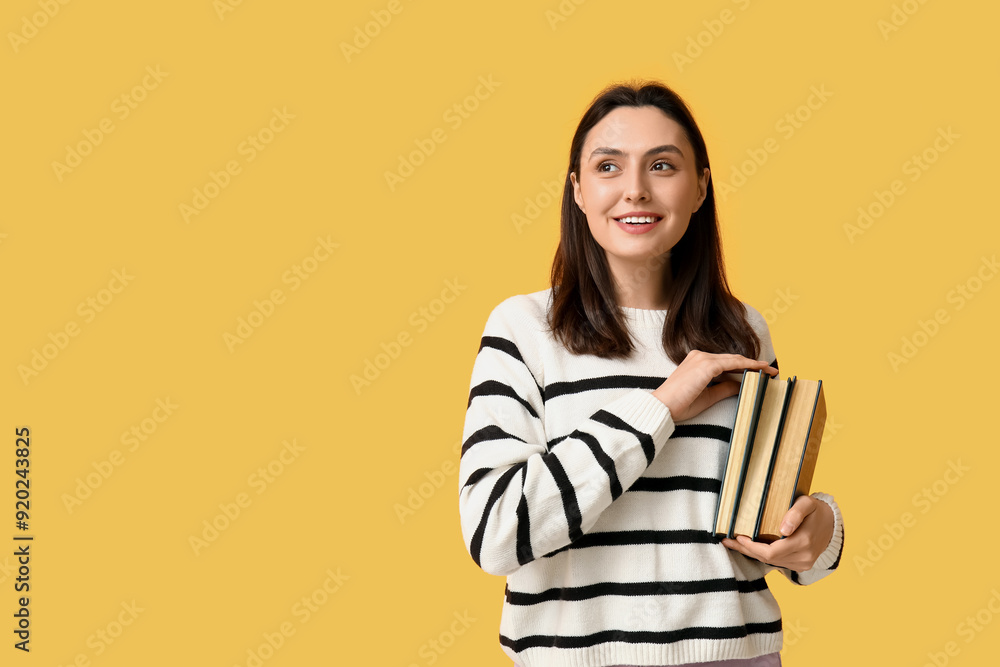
[[808, 526]]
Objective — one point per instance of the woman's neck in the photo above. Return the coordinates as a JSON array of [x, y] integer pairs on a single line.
[[641, 286]]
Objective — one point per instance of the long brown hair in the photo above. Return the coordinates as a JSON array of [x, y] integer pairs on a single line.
[[702, 314]]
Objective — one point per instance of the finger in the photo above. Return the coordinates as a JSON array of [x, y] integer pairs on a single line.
[[781, 550], [717, 392], [733, 362], [735, 546], [796, 514], [732, 376], [758, 550]]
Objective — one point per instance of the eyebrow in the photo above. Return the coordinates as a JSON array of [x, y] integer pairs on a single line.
[[666, 148]]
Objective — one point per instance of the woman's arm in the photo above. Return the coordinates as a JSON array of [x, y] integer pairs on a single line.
[[519, 498]]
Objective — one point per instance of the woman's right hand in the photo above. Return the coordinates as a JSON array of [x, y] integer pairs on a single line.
[[686, 391]]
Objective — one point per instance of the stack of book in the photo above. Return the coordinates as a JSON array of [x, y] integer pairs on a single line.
[[772, 454]]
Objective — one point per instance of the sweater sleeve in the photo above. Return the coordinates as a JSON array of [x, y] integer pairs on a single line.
[[522, 495], [830, 558]]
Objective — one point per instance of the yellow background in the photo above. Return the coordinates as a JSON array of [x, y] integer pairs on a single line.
[[837, 305]]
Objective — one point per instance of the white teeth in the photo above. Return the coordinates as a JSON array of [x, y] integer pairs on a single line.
[[633, 219]]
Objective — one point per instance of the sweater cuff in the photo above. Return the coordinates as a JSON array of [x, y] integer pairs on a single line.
[[831, 555], [646, 413]]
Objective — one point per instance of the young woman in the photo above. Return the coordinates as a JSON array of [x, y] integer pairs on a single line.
[[600, 412]]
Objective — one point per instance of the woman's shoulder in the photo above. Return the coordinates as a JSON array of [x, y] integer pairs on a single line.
[[517, 326], [760, 327], [754, 317], [523, 310]]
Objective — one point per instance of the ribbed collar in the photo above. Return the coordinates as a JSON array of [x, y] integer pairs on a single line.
[[637, 318], [645, 319]]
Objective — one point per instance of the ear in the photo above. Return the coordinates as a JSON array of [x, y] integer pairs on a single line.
[[576, 191], [702, 189]]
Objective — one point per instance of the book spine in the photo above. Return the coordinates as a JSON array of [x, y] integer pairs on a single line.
[[729, 452], [758, 402], [799, 480], [774, 455]]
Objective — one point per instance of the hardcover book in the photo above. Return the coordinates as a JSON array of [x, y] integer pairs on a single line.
[[772, 454]]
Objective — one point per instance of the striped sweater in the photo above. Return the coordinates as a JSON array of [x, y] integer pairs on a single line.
[[577, 485]]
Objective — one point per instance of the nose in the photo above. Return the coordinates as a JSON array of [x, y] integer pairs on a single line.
[[636, 189]]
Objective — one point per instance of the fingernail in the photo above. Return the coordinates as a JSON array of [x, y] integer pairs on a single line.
[[786, 528]]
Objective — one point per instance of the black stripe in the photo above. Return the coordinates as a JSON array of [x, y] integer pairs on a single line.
[[554, 441], [677, 483], [643, 537], [601, 382], [524, 553], [488, 432], [477, 475], [501, 344], [713, 431], [632, 589], [501, 485], [640, 636], [570, 506], [495, 388], [507, 346], [603, 459], [614, 421]]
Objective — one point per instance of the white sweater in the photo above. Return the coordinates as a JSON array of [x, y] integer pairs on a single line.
[[576, 484]]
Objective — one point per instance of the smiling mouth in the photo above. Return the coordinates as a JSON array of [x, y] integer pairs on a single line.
[[639, 219]]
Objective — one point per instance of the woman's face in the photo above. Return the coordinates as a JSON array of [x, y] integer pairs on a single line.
[[637, 165]]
